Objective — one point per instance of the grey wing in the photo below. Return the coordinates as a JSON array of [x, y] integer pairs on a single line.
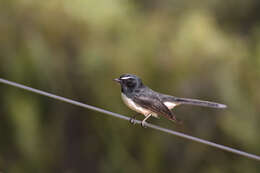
[[154, 104]]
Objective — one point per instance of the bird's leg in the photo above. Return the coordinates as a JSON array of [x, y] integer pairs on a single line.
[[143, 122], [132, 119]]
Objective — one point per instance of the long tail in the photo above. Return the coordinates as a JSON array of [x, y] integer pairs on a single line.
[[199, 103]]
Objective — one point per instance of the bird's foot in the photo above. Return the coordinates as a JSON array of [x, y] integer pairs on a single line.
[[143, 124], [132, 120]]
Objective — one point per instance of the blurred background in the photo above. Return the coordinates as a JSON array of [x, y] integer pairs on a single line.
[[198, 49]]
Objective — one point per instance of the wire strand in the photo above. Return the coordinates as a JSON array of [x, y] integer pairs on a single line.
[[175, 133]]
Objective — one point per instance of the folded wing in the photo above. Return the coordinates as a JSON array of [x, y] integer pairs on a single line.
[[154, 104]]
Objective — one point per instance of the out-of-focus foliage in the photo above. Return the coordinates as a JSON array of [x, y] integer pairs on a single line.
[[200, 49]]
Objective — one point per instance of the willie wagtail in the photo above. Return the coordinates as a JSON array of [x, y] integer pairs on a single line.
[[144, 100]]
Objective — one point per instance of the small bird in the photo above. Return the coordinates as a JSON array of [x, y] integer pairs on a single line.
[[144, 100]]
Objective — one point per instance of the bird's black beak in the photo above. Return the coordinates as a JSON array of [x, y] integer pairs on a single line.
[[117, 80]]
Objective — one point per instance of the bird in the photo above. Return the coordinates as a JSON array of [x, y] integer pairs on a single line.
[[150, 103]]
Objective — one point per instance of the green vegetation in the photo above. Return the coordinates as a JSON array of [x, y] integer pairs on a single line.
[[199, 49]]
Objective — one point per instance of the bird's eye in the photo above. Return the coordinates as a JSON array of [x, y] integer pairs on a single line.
[[130, 84]]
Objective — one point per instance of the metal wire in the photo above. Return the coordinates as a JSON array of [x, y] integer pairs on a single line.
[[182, 135]]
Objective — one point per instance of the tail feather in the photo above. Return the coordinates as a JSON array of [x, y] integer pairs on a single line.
[[200, 103]]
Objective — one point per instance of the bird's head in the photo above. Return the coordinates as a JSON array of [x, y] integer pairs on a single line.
[[129, 83]]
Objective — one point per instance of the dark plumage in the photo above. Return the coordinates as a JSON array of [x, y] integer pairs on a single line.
[[144, 100]]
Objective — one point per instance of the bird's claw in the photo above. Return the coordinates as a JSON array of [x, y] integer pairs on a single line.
[[143, 124], [132, 120]]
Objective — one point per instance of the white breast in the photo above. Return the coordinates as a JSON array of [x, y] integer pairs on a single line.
[[135, 106]]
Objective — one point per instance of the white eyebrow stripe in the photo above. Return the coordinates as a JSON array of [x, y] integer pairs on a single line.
[[126, 77]]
